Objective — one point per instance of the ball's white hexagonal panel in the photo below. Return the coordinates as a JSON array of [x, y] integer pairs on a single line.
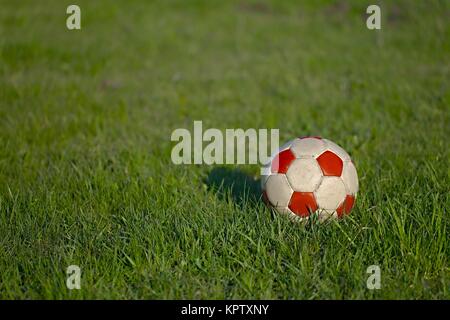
[[330, 145], [308, 147], [278, 190], [331, 193], [350, 178], [304, 175]]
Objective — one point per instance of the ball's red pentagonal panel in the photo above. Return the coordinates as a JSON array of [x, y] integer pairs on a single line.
[[330, 164], [340, 210], [346, 206], [302, 203], [281, 162]]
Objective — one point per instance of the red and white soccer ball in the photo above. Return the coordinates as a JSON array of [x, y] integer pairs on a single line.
[[310, 176]]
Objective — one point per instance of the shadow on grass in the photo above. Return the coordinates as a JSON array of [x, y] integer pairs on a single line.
[[242, 187]]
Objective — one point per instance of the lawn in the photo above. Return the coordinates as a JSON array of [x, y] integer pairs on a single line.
[[86, 176]]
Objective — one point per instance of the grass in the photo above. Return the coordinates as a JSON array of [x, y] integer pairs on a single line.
[[85, 170]]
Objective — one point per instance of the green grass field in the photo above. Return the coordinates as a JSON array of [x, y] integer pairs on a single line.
[[86, 176]]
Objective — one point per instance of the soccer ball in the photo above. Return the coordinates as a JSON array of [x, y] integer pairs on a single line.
[[310, 176]]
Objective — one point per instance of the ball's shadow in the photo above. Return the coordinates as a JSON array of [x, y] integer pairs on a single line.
[[242, 187]]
